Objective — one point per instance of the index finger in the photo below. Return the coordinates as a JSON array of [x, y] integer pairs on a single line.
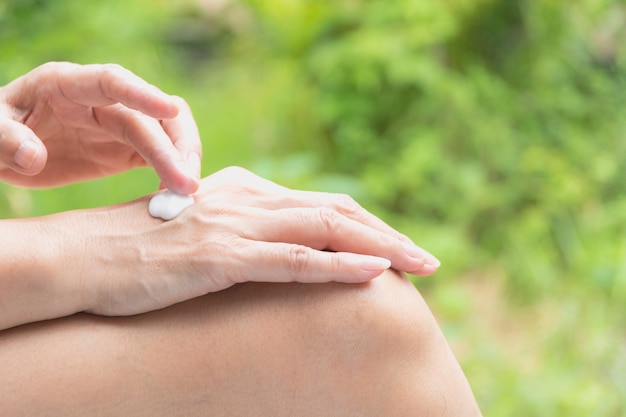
[[99, 85], [184, 134]]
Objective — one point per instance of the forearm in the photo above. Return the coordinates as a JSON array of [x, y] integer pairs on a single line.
[[44, 261], [33, 265], [120, 261]]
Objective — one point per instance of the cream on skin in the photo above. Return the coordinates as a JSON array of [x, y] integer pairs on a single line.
[[168, 205]]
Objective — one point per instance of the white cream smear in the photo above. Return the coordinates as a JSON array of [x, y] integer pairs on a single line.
[[167, 205]]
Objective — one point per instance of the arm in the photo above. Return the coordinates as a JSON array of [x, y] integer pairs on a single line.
[[43, 260], [32, 284], [120, 261]]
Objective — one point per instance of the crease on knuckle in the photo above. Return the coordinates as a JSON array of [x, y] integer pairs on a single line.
[[299, 257], [230, 251], [388, 241], [53, 67], [112, 70], [111, 78], [347, 205], [329, 219], [336, 264]]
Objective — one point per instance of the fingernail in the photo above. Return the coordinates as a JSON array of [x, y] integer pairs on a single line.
[[373, 263], [418, 253], [432, 261], [26, 154], [428, 269]]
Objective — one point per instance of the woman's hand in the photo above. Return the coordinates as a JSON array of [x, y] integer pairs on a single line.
[[118, 260], [64, 123], [240, 228]]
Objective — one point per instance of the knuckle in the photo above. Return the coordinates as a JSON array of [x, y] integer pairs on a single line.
[[389, 242], [112, 73], [109, 76], [237, 176], [49, 66], [347, 205], [299, 258], [54, 68], [229, 254], [112, 69], [336, 263], [234, 171], [329, 219]]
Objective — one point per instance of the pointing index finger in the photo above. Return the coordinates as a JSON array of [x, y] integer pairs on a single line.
[[99, 85]]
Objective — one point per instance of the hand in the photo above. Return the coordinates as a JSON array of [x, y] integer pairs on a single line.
[[64, 123], [240, 228]]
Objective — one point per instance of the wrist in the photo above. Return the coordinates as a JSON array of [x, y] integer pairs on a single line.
[[102, 244], [33, 285]]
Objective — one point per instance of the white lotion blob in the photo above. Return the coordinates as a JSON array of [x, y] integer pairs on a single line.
[[167, 205]]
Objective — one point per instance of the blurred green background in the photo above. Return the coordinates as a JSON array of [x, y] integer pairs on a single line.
[[493, 132]]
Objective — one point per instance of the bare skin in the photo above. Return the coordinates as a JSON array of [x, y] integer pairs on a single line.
[[63, 123], [118, 260], [371, 349], [256, 300]]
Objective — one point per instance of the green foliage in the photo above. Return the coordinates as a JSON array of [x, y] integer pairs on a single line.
[[490, 131], [36, 31]]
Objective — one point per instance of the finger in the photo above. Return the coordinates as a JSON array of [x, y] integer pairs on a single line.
[[184, 134], [346, 206], [102, 85], [342, 203], [424, 271], [285, 262], [20, 149], [147, 136], [324, 228]]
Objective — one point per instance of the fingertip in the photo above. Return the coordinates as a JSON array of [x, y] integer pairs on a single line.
[[182, 188], [369, 275], [370, 267], [192, 186], [425, 270], [164, 108], [415, 252], [179, 176], [374, 263], [153, 102], [171, 109], [184, 182]]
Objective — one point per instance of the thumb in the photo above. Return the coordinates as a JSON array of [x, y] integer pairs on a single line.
[[20, 148]]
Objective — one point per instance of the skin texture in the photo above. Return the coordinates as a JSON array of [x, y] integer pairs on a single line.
[[119, 260], [256, 299], [64, 123], [371, 349]]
